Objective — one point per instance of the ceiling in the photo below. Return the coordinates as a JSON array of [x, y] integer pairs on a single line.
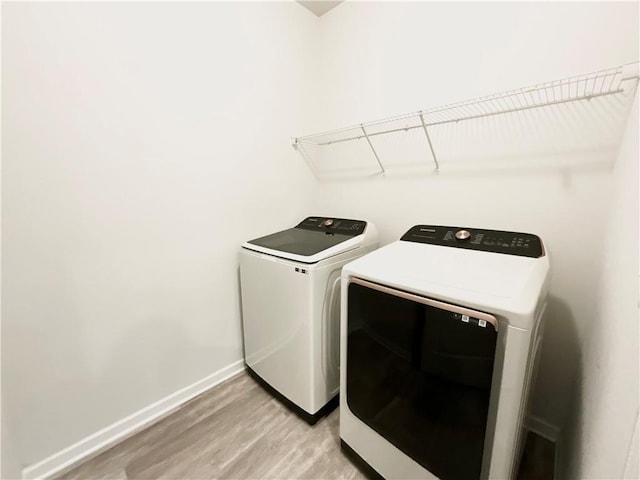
[[319, 7]]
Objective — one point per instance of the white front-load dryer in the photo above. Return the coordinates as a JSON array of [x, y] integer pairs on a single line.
[[439, 336], [290, 284]]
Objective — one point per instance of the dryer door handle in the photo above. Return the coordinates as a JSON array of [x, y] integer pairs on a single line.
[[428, 301]]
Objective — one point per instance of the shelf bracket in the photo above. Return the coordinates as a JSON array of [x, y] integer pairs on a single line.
[[372, 149], [424, 127]]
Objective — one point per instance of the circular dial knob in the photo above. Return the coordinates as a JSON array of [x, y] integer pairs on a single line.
[[328, 222], [462, 235]]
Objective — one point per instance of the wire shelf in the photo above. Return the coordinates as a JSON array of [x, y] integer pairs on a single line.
[[364, 139]]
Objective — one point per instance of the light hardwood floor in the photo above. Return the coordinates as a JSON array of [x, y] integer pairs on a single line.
[[235, 431]]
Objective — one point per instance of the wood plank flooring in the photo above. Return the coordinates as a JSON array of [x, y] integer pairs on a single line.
[[236, 431]]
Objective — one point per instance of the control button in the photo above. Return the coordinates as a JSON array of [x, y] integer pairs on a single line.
[[462, 235], [328, 222]]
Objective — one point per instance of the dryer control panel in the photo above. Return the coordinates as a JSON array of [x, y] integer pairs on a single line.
[[497, 241], [343, 226]]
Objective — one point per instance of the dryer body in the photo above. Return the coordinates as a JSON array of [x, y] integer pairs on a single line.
[[438, 347]]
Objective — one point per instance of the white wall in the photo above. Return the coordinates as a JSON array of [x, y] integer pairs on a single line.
[[382, 59], [598, 438], [142, 143]]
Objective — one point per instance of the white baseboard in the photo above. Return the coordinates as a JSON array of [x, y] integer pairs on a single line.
[[542, 427], [118, 431]]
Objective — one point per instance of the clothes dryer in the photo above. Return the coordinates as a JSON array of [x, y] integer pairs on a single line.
[[290, 283], [440, 333]]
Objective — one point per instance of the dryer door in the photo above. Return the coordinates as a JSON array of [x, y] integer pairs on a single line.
[[419, 374]]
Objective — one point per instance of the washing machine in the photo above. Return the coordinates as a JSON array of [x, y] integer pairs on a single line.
[[290, 283], [440, 333]]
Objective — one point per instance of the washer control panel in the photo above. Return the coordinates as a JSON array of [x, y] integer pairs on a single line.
[[497, 241], [333, 225]]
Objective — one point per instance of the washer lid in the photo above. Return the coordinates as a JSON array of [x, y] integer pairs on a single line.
[[314, 239]]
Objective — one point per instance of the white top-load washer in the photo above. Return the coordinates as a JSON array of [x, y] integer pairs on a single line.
[[290, 283], [439, 336]]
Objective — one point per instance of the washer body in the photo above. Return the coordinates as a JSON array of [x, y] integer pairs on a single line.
[[439, 337], [290, 283]]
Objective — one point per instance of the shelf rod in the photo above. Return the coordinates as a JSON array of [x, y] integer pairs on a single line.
[[435, 160], [372, 149], [469, 117]]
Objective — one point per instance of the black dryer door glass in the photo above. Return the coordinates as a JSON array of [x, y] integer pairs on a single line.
[[300, 241], [420, 377]]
